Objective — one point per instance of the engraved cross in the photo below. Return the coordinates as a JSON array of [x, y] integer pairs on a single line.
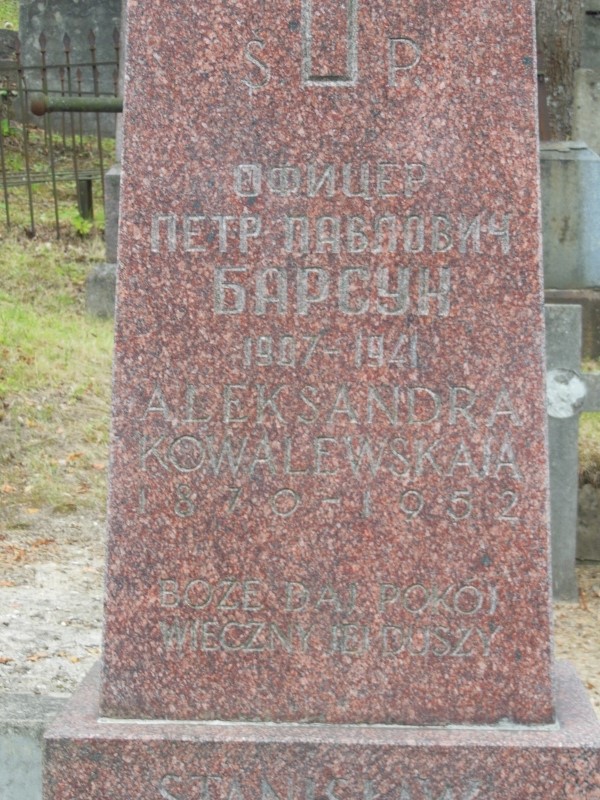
[[330, 42]]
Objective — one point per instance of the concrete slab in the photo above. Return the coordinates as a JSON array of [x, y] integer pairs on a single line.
[[23, 719], [100, 290], [570, 174]]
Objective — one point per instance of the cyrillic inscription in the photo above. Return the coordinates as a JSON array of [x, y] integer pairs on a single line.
[[364, 179], [234, 434], [355, 291], [417, 232], [390, 233]]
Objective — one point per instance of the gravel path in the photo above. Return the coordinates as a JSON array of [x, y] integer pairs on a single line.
[[51, 608], [50, 605]]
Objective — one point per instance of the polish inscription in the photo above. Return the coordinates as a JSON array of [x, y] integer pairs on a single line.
[[401, 415], [388, 429], [408, 785], [417, 620], [330, 50], [473, 454]]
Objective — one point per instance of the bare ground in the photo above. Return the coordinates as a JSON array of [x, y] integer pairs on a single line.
[[51, 570]]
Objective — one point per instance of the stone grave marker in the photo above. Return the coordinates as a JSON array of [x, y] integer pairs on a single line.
[[75, 19], [328, 566]]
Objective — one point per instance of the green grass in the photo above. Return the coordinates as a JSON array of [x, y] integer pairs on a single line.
[[43, 203], [9, 13], [589, 439], [55, 364], [589, 448], [55, 360]]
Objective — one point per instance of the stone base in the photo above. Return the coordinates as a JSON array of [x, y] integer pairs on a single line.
[[143, 760], [100, 288], [589, 300], [23, 719]]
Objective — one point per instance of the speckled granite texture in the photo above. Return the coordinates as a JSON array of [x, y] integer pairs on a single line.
[[328, 547], [251, 761], [328, 494]]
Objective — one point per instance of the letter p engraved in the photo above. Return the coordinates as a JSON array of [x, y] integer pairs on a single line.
[[403, 54], [329, 59]]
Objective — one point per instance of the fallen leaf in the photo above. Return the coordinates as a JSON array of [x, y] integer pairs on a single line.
[[72, 659], [8, 489], [42, 542], [33, 510], [5, 660], [74, 456], [37, 656], [17, 553], [7, 584], [99, 465]]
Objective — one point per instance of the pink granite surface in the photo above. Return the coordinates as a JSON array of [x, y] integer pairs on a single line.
[[257, 761], [328, 489]]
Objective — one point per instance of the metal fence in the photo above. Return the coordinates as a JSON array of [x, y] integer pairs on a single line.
[[44, 162]]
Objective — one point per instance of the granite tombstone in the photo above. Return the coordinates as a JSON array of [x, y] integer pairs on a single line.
[[328, 539]]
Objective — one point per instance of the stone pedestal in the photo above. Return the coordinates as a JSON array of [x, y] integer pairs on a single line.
[[131, 759], [328, 557]]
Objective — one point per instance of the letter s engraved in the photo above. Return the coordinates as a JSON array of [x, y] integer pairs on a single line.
[[263, 69]]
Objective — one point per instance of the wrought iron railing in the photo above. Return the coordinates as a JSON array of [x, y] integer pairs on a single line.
[[67, 148]]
